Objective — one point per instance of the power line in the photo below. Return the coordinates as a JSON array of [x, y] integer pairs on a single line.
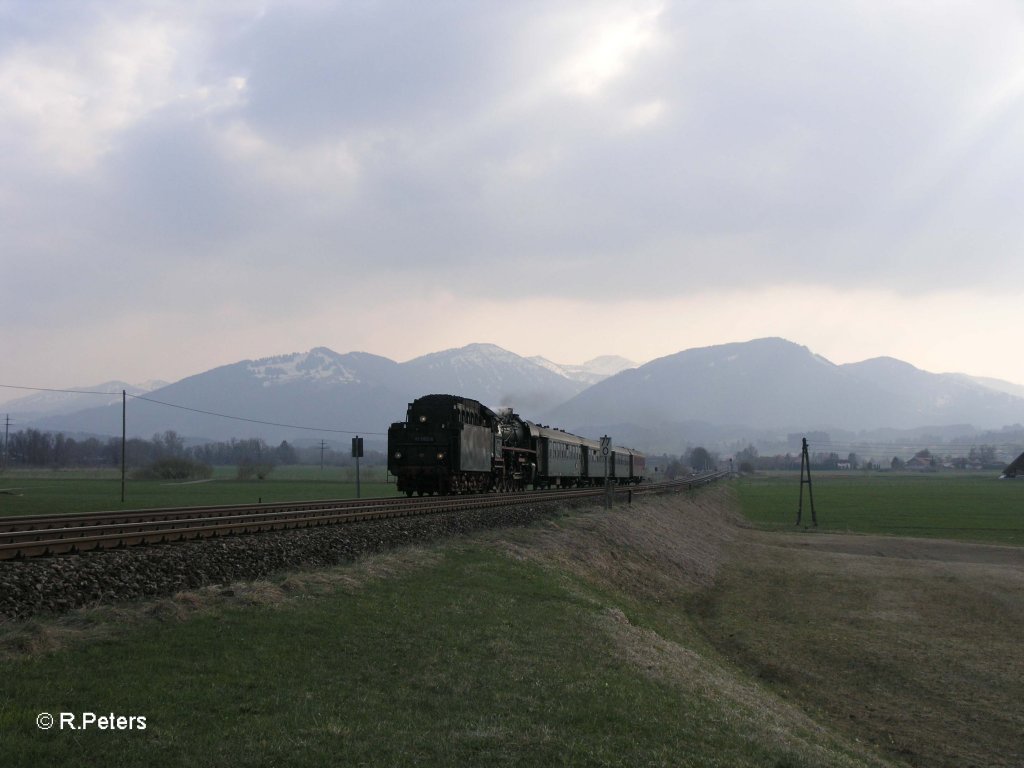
[[257, 421], [915, 443], [198, 410], [69, 391]]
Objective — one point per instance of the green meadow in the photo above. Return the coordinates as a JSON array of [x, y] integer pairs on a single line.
[[664, 633], [507, 648], [965, 506], [35, 492]]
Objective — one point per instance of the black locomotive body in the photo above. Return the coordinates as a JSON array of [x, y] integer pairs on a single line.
[[447, 444], [452, 444]]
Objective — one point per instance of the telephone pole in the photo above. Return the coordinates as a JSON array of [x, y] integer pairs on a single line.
[[7, 429], [124, 430], [805, 462]]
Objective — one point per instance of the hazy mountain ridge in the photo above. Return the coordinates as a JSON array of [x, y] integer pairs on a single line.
[[999, 385], [49, 403], [933, 397], [759, 387], [774, 384]]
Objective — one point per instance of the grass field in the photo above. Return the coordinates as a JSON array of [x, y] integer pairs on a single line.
[[969, 507], [504, 649], [32, 492], [666, 633]]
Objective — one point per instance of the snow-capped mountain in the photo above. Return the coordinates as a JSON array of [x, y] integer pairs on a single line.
[[348, 393], [271, 398], [739, 389], [590, 372], [492, 375], [320, 365]]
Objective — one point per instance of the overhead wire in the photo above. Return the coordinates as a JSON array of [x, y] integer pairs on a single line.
[[198, 410], [256, 421], [49, 389]]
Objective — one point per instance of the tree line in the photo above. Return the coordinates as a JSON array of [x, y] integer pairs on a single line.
[[670, 467], [36, 449], [979, 457]]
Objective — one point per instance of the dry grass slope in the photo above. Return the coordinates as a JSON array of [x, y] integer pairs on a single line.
[[666, 552], [912, 645]]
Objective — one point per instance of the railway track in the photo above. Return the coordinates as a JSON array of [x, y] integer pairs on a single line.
[[36, 535]]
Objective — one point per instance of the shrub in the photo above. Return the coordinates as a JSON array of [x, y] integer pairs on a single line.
[[249, 469], [175, 469]]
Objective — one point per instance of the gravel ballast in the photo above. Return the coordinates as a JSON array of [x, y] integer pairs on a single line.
[[62, 583]]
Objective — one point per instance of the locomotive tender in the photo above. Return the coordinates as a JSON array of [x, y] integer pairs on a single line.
[[451, 444]]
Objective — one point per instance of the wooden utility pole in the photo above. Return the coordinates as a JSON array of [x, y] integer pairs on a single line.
[[124, 424], [7, 429], [805, 463]]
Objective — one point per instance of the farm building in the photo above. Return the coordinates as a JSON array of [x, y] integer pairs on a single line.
[[921, 463]]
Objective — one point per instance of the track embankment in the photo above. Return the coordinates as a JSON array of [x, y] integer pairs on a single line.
[[879, 648], [59, 584], [649, 567]]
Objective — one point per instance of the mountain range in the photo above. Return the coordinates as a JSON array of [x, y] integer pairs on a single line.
[[331, 394], [731, 391], [53, 402]]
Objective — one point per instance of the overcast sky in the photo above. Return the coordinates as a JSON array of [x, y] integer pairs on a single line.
[[187, 184]]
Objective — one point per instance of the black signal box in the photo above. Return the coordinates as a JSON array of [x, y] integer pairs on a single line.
[[357, 447]]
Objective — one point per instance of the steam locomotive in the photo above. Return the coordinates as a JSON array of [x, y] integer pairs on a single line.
[[450, 444]]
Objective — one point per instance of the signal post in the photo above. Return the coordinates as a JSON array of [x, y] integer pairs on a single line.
[[357, 453]]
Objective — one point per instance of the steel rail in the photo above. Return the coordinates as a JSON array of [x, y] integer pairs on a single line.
[[31, 522], [111, 535], [61, 534]]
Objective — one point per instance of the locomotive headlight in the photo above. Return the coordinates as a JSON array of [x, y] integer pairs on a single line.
[[423, 419], [398, 454], [440, 455]]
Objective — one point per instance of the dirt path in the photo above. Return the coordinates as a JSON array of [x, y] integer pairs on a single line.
[[938, 550]]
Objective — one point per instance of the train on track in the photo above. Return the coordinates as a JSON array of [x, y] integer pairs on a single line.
[[450, 444]]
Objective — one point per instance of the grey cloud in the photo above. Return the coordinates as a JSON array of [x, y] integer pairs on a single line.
[[338, 68], [796, 142]]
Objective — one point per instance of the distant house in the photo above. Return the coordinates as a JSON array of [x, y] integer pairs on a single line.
[[1014, 468], [920, 462], [842, 465]]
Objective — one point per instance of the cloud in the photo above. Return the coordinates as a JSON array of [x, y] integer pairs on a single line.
[[184, 157], [606, 46], [68, 97]]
